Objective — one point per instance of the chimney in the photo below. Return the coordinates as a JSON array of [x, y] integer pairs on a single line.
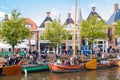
[[69, 15], [93, 9], [6, 16], [48, 14], [116, 7]]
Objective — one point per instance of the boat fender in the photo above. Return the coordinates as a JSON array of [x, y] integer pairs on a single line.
[[25, 73]]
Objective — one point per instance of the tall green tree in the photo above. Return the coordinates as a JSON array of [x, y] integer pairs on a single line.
[[93, 29], [117, 29], [14, 30], [0, 31], [55, 33]]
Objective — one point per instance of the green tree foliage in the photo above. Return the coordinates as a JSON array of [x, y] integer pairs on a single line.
[[93, 29], [55, 33], [117, 29], [42, 37], [0, 31], [14, 30], [69, 35]]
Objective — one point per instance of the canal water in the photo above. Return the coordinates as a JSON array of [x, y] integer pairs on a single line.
[[103, 74]]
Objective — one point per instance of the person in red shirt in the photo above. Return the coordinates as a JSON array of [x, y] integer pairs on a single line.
[[16, 52]]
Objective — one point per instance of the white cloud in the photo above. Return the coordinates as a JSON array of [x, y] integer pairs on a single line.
[[2, 14]]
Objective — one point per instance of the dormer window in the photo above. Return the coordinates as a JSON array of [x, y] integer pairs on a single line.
[[28, 25]]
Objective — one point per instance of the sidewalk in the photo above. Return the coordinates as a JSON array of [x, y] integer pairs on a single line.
[[67, 56]]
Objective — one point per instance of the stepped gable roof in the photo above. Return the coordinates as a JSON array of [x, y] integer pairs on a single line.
[[93, 13], [115, 16], [48, 18], [69, 20]]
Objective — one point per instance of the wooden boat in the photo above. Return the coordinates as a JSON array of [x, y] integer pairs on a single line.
[[35, 67], [54, 67], [118, 63], [38, 66], [99, 64], [107, 64], [19, 69], [118, 60], [92, 64], [10, 70]]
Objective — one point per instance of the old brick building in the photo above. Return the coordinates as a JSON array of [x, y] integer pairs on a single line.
[[114, 42]]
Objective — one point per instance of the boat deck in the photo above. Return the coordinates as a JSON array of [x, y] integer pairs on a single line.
[[32, 65]]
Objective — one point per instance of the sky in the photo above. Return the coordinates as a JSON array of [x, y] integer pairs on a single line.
[[36, 9]]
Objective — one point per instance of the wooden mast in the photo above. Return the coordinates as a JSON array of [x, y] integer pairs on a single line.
[[74, 32]]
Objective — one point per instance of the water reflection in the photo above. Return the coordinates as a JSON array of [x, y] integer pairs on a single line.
[[90, 75], [11, 77], [118, 74], [103, 74]]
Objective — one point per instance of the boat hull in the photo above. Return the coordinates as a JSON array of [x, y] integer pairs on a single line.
[[93, 64], [65, 68], [118, 63], [10, 70], [106, 65], [35, 68]]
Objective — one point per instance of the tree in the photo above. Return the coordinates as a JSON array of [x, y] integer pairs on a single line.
[[55, 33], [14, 31], [0, 31], [117, 29], [93, 29]]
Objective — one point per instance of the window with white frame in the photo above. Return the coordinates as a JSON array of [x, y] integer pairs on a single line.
[[33, 37], [118, 41], [77, 35], [28, 25]]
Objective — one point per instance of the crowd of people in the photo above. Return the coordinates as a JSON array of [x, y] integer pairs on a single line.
[[34, 57], [72, 60]]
